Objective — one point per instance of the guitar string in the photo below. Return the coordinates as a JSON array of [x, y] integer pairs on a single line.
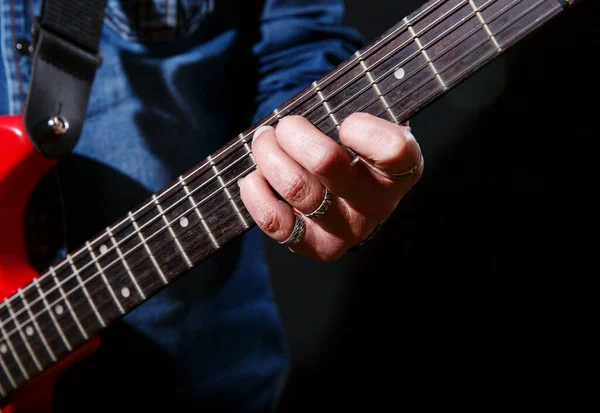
[[429, 79], [412, 57], [335, 73], [135, 247], [18, 326], [194, 173], [409, 58], [518, 34], [162, 229], [12, 332]]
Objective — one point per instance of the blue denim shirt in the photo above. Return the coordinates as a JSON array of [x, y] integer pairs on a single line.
[[178, 79]]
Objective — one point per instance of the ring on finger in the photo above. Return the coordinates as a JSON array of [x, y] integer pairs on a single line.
[[408, 172], [322, 208], [297, 233]]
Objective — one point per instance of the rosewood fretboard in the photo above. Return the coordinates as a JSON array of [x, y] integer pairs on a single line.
[[409, 66]]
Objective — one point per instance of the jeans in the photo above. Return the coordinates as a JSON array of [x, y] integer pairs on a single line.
[[178, 79]]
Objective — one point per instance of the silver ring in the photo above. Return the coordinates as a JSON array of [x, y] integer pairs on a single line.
[[297, 233], [321, 209], [409, 172]]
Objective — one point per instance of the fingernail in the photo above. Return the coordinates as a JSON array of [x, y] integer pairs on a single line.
[[239, 181], [259, 131]]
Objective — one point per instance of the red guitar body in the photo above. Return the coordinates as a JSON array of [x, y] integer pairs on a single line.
[[21, 168]]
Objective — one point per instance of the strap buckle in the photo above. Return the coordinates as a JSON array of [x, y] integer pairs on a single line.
[[59, 90]]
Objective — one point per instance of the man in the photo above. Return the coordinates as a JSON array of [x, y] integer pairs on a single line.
[[178, 80]]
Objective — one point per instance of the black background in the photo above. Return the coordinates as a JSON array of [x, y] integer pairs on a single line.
[[478, 292]]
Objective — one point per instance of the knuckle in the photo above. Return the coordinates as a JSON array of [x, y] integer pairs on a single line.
[[268, 220], [296, 190]]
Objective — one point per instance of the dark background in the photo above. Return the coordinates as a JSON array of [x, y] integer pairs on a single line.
[[478, 291]]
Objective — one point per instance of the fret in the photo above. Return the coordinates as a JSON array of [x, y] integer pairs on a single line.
[[524, 22], [375, 86], [513, 14], [13, 341], [490, 10], [7, 360], [156, 232], [7, 381], [405, 88], [133, 290], [158, 240], [213, 203], [27, 305], [172, 232], [24, 330], [436, 16], [397, 66], [354, 104], [99, 273], [49, 287], [312, 108], [198, 214], [147, 248], [246, 147], [327, 97], [455, 19], [485, 26], [455, 29], [473, 53], [46, 310], [237, 164], [85, 291], [326, 105], [405, 107], [224, 188], [188, 223], [77, 297], [6, 356], [339, 99], [33, 317], [426, 56], [125, 242]]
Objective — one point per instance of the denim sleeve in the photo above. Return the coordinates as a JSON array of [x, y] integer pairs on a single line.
[[300, 41]]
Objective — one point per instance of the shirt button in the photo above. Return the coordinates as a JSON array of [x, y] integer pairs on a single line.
[[24, 47]]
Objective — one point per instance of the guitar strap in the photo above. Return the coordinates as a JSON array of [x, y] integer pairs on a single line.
[[66, 54]]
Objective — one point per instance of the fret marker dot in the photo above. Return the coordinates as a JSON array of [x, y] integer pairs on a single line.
[[399, 73], [29, 331], [184, 222], [59, 309], [125, 292], [3, 348], [103, 249]]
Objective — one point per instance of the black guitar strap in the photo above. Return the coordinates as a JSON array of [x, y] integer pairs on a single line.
[[66, 54]]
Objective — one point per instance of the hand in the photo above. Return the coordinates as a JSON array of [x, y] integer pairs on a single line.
[[298, 162]]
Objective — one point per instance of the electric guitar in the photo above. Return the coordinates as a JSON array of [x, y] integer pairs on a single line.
[[52, 319]]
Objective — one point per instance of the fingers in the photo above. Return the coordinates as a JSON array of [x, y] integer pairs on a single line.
[[295, 184], [273, 216], [321, 156], [389, 148], [301, 164], [277, 220]]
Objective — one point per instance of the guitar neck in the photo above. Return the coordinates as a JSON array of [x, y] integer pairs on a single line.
[[408, 67]]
